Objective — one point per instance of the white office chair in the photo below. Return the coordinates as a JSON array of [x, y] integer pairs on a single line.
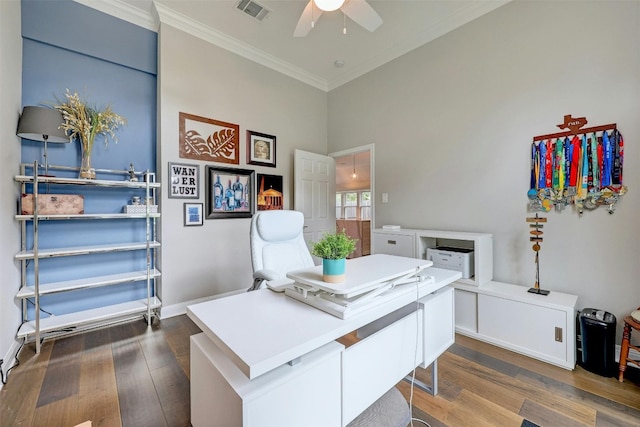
[[277, 247]]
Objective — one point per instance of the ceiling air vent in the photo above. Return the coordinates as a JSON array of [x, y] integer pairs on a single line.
[[253, 9]]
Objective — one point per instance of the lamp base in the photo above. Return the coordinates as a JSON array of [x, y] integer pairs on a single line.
[[538, 291]]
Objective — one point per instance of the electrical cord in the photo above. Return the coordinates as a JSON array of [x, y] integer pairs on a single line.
[[415, 355], [41, 309], [5, 376]]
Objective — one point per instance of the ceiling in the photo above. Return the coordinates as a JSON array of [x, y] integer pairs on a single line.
[[346, 165], [407, 24]]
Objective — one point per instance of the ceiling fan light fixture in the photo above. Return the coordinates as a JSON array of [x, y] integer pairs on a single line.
[[329, 5]]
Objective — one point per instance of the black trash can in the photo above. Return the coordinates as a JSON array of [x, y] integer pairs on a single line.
[[598, 336]]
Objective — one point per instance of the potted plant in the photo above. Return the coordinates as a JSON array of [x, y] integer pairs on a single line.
[[333, 248]]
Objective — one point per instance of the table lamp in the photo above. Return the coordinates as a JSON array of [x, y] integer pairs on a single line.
[[42, 124]]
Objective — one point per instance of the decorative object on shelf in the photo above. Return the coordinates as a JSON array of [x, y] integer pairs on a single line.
[[53, 204], [184, 181], [229, 193], [136, 207], [192, 214], [42, 124], [208, 139], [577, 167], [132, 173], [536, 224], [333, 248], [270, 196], [261, 149], [85, 122]]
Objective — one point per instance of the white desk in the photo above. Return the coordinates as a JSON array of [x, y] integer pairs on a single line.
[[257, 333]]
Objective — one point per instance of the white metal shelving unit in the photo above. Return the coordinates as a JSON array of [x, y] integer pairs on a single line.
[[36, 327]]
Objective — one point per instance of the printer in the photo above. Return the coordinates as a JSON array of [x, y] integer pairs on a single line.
[[452, 258]]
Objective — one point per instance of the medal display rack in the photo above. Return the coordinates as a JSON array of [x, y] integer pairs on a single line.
[[577, 167], [536, 224]]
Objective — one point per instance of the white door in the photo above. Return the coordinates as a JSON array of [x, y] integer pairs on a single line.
[[315, 192]]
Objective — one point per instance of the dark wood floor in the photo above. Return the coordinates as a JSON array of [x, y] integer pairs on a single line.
[[131, 375]]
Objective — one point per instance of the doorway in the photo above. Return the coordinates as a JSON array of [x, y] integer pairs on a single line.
[[355, 195]]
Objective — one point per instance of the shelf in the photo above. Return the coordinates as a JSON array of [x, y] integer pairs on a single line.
[[143, 219], [28, 179], [46, 217], [86, 250], [86, 317], [480, 243], [87, 282]]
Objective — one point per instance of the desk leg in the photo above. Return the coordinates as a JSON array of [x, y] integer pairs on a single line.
[[433, 389]]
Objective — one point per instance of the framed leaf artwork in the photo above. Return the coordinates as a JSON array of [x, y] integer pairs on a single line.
[[208, 139]]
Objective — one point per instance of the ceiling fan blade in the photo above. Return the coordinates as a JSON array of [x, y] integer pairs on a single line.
[[304, 23], [362, 13]]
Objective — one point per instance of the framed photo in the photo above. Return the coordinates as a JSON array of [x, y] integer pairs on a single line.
[[202, 138], [193, 214], [261, 149], [184, 181], [269, 196], [230, 193]]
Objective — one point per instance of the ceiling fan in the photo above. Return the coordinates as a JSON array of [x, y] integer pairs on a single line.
[[358, 10]]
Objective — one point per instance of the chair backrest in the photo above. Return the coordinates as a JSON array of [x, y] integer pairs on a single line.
[[277, 242]]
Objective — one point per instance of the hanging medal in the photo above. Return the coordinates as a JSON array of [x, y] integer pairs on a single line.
[[616, 173], [542, 155], [548, 165], [606, 164]]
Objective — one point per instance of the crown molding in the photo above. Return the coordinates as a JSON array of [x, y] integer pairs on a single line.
[[125, 12], [197, 29], [162, 14]]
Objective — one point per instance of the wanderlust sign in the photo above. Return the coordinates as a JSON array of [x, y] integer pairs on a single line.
[[184, 181]]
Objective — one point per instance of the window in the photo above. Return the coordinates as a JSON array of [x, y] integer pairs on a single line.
[[353, 205]]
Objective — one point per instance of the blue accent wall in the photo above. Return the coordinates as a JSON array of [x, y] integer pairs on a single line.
[[107, 61]]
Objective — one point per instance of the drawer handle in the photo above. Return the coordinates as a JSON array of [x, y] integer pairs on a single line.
[[391, 242]]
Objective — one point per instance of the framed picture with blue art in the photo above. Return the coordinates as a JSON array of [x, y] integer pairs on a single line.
[[192, 214], [230, 193]]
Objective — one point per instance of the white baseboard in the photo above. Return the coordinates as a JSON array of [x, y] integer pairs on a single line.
[[632, 354], [9, 360], [181, 308]]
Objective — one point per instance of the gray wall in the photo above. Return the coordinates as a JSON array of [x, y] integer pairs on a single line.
[[10, 90], [199, 78], [452, 123]]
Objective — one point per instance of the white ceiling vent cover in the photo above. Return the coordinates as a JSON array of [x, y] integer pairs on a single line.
[[253, 9]]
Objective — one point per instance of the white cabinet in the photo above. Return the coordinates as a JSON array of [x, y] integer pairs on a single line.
[[306, 393], [542, 327], [32, 253], [414, 243], [480, 243]]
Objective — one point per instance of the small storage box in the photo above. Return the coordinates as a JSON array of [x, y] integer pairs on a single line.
[[457, 259], [53, 204], [140, 209]]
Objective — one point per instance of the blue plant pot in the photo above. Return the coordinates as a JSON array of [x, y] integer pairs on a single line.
[[333, 270]]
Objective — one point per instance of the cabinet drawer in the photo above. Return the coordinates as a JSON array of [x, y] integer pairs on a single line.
[[394, 244]]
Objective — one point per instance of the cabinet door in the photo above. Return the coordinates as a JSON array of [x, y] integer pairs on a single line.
[[394, 244], [439, 330], [524, 327], [466, 311]]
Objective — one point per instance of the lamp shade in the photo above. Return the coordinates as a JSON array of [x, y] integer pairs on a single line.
[[41, 124]]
